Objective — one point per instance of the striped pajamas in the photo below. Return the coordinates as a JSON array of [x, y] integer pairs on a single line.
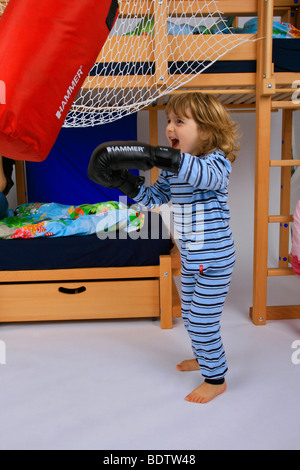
[[201, 219]]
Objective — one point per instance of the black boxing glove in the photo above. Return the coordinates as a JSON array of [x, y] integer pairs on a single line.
[[131, 184], [123, 180], [136, 155]]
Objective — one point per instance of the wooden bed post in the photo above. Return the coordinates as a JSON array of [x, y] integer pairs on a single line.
[[165, 283], [261, 211], [21, 182], [264, 90]]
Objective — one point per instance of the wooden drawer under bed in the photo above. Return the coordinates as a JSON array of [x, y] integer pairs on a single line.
[[91, 293], [80, 300]]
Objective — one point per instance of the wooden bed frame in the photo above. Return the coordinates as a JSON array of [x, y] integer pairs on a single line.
[[25, 294]]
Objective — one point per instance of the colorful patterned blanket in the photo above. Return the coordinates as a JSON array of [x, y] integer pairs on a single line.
[[58, 220], [222, 26], [280, 29]]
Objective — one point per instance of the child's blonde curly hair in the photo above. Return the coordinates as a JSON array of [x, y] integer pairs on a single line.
[[211, 116]]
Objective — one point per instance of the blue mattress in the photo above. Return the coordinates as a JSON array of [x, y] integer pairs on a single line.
[[286, 55], [119, 249]]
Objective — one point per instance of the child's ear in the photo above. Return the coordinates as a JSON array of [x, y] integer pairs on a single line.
[[205, 133]]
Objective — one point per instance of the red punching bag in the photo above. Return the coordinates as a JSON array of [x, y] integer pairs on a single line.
[[47, 49]]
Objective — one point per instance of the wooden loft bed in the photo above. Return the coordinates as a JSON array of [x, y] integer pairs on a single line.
[[261, 90]]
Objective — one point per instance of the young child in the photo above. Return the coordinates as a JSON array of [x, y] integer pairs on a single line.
[[195, 178]]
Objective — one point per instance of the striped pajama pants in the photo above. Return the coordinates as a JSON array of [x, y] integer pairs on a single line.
[[203, 296]]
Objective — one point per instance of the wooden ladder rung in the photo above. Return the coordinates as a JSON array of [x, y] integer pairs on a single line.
[[280, 218], [280, 272], [290, 162], [283, 312], [284, 104]]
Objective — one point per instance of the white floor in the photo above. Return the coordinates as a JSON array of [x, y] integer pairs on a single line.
[[114, 385]]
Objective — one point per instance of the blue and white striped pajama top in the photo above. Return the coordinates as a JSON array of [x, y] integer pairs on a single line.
[[201, 219]]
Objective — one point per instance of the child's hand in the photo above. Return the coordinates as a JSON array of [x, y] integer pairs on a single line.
[[135, 155]]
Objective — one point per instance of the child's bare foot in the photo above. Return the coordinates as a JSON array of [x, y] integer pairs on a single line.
[[188, 364], [205, 393]]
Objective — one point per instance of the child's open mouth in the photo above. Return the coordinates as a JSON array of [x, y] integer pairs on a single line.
[[174, 143]]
